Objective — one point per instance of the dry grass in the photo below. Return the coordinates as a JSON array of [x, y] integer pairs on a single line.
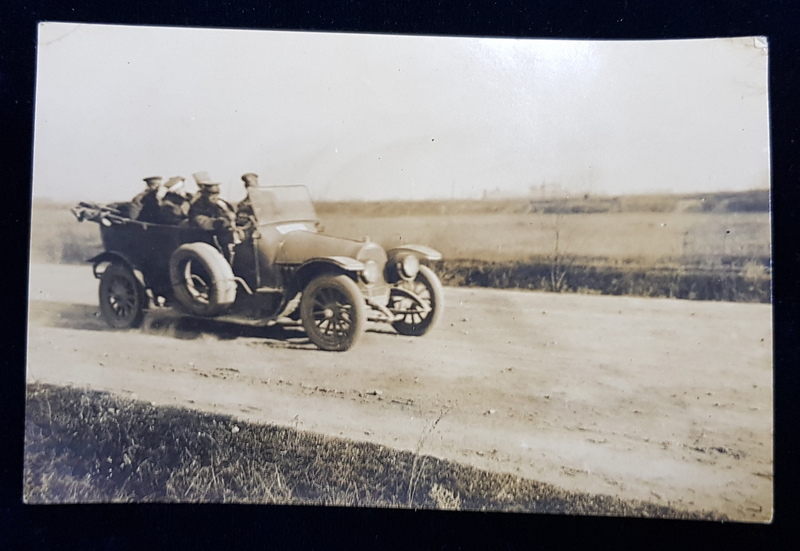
[[84, 446], [644, 238], [56, 236]]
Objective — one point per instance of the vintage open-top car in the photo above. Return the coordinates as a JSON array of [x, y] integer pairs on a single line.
[[282, 268]]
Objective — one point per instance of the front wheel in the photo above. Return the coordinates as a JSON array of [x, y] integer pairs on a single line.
[[333, 312], [418, 303], [122, 297]]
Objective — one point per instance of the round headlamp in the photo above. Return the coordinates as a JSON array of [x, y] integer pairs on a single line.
[[371, 271], [409, 266]]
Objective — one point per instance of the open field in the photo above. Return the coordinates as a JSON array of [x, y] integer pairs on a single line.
[[712, 248], [706, 256], [642, 230], [643, 238]]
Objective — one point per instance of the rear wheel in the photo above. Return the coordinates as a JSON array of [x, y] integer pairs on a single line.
[[122, 297], [417, 317], [333, 312]]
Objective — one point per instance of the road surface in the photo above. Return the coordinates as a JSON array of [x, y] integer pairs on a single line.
[[667, 401]]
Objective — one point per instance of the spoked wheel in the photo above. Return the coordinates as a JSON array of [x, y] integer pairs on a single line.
[[417, 317], [121, 297], [333, 312]]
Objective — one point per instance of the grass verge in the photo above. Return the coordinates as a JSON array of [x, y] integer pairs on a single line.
[[745, 281], [85, 446]]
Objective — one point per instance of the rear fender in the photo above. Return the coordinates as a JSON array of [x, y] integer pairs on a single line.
[[109, 257]]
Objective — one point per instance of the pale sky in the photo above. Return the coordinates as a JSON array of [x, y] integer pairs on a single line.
[[373, 117]]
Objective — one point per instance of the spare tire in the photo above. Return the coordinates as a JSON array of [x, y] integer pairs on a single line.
[[202, 280]]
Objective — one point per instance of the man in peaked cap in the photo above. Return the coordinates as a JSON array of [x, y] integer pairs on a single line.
[[201, 178], [210, 212], [245, 217], [146, 205], [250, 179], [174, 207]]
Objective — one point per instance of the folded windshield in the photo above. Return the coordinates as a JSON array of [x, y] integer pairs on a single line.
[[273, 205]]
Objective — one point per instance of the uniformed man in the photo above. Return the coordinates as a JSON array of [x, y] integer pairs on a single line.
[[201, 178], [174, 207], [245, 217], [210, 212], [146, 206]]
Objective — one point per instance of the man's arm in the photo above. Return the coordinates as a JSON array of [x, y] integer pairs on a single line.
[[245, 218], [136, 206], [209, 218]]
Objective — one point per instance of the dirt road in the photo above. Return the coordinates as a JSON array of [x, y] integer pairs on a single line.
[[662, 400]]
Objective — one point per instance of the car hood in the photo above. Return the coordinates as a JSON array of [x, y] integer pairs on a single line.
[[298, 246]]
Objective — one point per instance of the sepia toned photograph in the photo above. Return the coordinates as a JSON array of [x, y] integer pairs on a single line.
[[393, 271]]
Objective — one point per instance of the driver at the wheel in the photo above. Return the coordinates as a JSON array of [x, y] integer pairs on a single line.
[[245, 217], [210, 212]]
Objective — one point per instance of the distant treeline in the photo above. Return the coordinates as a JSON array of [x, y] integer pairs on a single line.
[[743, 201]]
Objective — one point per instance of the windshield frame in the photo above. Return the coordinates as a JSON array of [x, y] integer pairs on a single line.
[[274, 205]]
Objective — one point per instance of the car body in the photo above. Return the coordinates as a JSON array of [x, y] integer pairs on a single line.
[[281, 267]]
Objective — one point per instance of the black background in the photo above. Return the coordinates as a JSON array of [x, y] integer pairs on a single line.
[[217, 526]]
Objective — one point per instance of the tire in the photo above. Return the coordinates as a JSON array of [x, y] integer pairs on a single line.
[[202, 280], [122, 297], [428, 288], [333, 312]]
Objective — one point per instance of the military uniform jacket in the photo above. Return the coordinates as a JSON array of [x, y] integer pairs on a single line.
[[244, 213], [211, 215], [145, 207], [174, 208]]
